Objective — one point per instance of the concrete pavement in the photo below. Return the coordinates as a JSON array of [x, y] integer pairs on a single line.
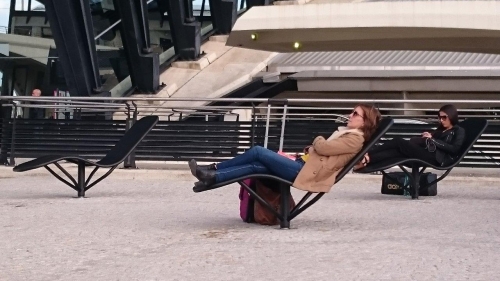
[[149, 225]]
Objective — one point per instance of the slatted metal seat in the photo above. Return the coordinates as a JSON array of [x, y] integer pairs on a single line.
[[113, 158]]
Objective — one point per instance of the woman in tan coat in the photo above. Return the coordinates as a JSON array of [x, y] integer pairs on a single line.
[[315, 172]]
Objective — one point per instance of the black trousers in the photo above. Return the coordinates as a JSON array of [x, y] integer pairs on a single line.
[[400, 148]]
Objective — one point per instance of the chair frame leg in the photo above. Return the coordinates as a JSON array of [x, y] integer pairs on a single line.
[[414, 177], [81, 184], [299, 208], [285, 206], [81, 179], [415, 171]]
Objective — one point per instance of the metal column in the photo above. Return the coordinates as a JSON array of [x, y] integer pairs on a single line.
[[143, 64], [71, 25], [186, 31], [224, 14]]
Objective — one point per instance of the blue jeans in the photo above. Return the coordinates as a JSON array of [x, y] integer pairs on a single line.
[[258, 160]]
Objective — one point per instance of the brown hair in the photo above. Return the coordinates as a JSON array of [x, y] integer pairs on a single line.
[[372, 119]]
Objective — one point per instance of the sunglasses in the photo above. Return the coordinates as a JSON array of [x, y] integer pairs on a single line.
[[355, 113], [442, 117]]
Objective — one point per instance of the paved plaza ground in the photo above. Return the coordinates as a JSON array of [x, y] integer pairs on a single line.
[[149, 225]]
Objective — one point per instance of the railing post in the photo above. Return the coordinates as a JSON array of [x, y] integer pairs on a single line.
[[282, 135], [129, 162], [266, 135], [77, 114], [253, 125], [283, 121], [6, 116], [13, 139]]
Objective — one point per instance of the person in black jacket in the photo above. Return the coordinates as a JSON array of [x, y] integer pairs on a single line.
[[439, 147]]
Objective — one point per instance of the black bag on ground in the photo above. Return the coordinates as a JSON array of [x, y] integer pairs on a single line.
[[402, 181]]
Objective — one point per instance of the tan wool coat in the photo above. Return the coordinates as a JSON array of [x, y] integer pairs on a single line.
[[326, 159]]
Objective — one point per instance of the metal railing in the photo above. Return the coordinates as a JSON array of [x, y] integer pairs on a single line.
[[90, 126], [255, 100]]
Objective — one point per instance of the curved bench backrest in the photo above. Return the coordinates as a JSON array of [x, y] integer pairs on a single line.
[[129, 141], [474, 128], [383, 127]]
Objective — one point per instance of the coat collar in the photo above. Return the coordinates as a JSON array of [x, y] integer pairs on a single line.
[[347, 130], [344, 130]]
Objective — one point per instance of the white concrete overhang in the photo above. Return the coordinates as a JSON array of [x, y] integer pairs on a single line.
[[398, 81], [461, 26]]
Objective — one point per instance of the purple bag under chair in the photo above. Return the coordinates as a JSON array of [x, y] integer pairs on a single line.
[[247, 202]]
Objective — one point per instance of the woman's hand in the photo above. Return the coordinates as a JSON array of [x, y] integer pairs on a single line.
[[306, 149], [426, 135], [363, 162], [318, 138]]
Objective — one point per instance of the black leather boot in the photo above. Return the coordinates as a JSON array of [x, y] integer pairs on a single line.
[[193, 166], [206, 176], [212, 167], [199, 187]]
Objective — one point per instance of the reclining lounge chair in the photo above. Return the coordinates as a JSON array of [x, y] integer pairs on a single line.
[[113, 158], [285, 215], [473, 127]]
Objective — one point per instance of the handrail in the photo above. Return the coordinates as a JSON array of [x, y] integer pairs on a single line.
[[227, 110], [396, 112], [257, 100], [113, 25]]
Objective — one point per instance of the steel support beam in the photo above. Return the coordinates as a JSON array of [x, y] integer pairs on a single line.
[[11, 15], [251, 3], [186, 31], [224, 14], [143, 64], [71, 25]]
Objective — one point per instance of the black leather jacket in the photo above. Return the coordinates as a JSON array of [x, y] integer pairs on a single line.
[[447, 144]]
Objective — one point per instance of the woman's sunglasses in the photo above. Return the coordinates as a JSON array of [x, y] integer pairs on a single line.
[[355, 113], [442, 117]]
